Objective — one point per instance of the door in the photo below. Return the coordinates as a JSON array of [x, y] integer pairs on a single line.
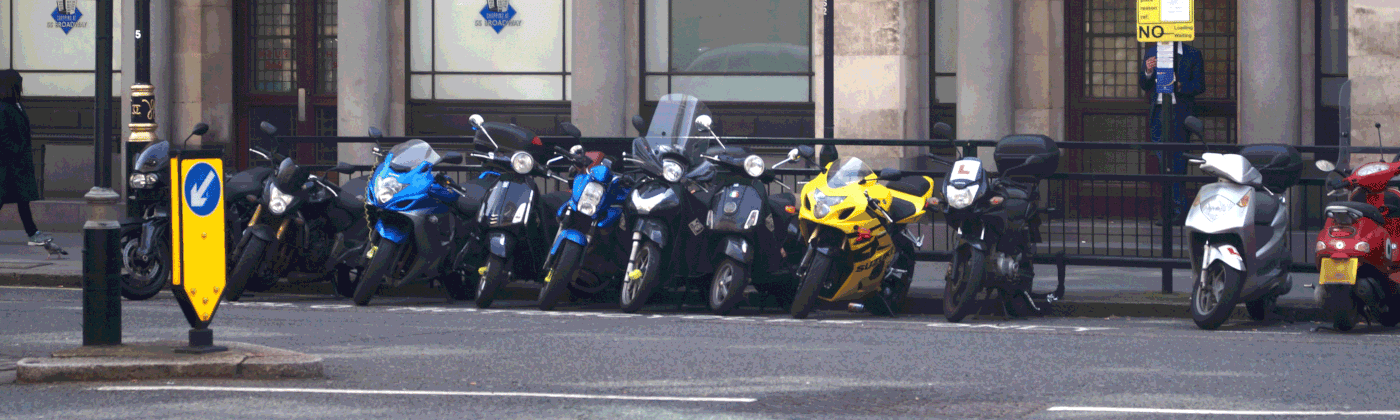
[[287, 76]]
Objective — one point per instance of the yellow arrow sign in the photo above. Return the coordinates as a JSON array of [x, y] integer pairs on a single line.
[[1166, 20], [197, 228]]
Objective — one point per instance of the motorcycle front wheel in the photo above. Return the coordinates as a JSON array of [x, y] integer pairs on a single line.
[[493, 278], [811, 286], [556, 283], [248, 261], [635, 292], [1338, 305], [1213, 295], [386, 253], [727, 286], [960, 292], [142, 278]]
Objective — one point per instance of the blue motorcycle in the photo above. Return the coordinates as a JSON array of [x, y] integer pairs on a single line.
[[585, 254], [421, 222]]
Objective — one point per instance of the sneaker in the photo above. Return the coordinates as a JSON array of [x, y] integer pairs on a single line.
[[38, 238]]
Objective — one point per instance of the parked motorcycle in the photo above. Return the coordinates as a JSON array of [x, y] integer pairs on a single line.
[[1238, 230], [305, 229], [670, 244], [1356, 248], [757, 231], [854, 230], [423, 223], [998, 225], [145, 242], [517, 219], [586, 254]]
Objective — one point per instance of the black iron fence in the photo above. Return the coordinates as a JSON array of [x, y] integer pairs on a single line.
[[1112, 218]]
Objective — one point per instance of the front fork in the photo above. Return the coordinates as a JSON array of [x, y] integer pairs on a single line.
[[632, 273]]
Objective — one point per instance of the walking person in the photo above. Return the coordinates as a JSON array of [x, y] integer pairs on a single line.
[[1189, 70], [18, 184]]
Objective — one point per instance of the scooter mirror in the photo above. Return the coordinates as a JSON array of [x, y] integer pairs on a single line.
[[793, 155], [374, 132], [639, 124], [451, 158], [570, 129], [476, 120], [704, 121], [1195, 126], [576, 150], [828, 155], [200, 129], [942, 131], [268, 128], [1325, 166], [806, 151]]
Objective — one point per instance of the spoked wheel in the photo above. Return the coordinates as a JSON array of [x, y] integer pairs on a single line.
[[960, 292], [1213, 296], [494, 276], [638, 285], [142, 277], [727, 286]]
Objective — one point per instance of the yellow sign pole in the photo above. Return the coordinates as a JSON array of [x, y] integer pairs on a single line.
[[197, 243]]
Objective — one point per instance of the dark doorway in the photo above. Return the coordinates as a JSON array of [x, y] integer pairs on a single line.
[[287, 75]]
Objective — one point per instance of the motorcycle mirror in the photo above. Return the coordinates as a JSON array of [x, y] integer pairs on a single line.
[[451, 158], [1195, 126], [344, 168], [704, 121], [793, 155], [200, 129], [942, 131], [1325, 165], [268, 128], [806, 151], [570, 129], [576, 150], [374, 132], [476, 120], [891, 174], [828, 155], [640, 124]]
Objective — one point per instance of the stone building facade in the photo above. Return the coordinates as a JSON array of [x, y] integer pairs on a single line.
[[1063, 68]]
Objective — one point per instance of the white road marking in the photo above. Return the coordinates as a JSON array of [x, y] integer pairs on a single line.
[[430, 393], [1224, 412]]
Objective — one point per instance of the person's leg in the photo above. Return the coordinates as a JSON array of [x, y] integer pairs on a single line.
[[36, 237]]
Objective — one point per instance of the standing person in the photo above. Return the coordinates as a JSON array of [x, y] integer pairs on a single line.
[[17, 182], [1189, 70]]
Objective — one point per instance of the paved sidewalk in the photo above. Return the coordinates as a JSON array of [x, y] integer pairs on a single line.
[[1090, 291]]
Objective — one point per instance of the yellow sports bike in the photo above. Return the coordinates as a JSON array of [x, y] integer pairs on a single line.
[[857, 244]]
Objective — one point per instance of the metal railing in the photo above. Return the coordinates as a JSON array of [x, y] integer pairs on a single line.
[[1095, 219]]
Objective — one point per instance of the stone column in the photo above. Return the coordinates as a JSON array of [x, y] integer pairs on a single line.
[[362, 79], [1039, 68], [599, 64], [880, 90], [986, 58], [1270, 85], [201, 88]]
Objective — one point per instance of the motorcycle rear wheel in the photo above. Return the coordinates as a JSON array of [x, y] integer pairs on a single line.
[[142, 281], [556, 283], [727, 286], [386, 253], [811, 286], [636, 292], [248, 261], [495, 277], [960, 294], [1214, 294]]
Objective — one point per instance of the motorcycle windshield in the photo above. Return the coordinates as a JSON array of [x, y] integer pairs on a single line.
[[155, 158], [673, 132], [411, 153], [849, 170]]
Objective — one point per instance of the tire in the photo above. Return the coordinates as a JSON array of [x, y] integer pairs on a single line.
[[1339, 306], [960, 294], [495, 277], [727, 286], [386, 254], [142, 279], [635, 293], [556, 282], [248, 261], [1259, 309], [1214, 295], [810, 287], [344, 281]]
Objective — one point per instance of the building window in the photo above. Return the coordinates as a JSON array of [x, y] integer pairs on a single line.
[[943, 90], [728, 50], [489, 50], [286, 58]]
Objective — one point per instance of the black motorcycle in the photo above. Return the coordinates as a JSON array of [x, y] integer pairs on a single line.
[[305, 228], [670, 243], [518, 220], [757, 230], [998, 225], [145, 241]]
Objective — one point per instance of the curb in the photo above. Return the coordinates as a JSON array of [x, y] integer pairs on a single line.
[[157, 360]]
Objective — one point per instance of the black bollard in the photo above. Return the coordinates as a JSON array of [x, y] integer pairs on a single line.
[[101, 267]]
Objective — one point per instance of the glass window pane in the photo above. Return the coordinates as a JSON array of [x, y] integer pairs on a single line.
[[744, 88], [420, 35], [532, 42], [326, 46], [420, 86], [945, 89], [945, 37], [274, 53], [657, 86], [658, 37], [741, 35], [500, 87]]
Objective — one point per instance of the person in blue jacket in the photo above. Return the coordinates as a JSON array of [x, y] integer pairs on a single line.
[[1189, 69]]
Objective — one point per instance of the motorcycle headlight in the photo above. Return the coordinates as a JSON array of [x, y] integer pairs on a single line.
[[277, 201], [753, 165], [671, 170], [151, 179], [960, 197], [588, 201], [385, 187], [1216, 206], [823, 203], [522, 162], [139, 181]]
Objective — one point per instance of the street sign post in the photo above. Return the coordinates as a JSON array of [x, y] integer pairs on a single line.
[[1166, 20], [197, 227]]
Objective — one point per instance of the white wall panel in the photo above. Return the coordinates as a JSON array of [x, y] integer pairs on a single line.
[[536, 45], [499, 87], [420, 16], [66, 84], [39, 44], [743, 88], [5, 36], [420, 86]]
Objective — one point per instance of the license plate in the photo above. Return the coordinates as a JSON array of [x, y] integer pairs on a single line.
[[1337, 271]]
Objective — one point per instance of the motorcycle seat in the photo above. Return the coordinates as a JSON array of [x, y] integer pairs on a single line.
[[1367, 210], [901, 209], [913, 185]]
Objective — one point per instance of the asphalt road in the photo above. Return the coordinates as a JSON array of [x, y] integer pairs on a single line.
[[427, 358]]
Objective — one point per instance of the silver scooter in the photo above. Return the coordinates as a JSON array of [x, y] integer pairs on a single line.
[[1238, 230]]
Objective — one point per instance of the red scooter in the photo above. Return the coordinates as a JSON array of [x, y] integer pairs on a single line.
[[1359, 268]]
